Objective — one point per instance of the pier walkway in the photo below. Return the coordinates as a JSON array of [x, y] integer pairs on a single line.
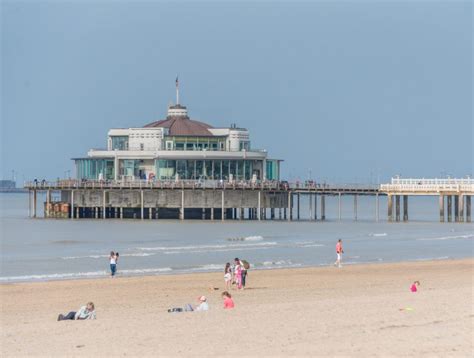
[[217, 199]]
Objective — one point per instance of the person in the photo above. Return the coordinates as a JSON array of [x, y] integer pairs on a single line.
[[339, 252], [238, 273], [227, 276], [243, 274], [228, 302], [85, 312], [413, 287], [113, 263], [203, 305]]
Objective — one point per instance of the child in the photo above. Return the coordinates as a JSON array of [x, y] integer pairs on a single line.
[[228, 302], [227, 276], [413, 287]]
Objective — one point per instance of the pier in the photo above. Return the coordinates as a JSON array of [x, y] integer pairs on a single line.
[[244, 200]]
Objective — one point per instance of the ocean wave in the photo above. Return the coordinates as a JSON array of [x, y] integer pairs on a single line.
[[246, 238], [171, 252], [202, 247], [379, 234], [468, 236], [139, 254]]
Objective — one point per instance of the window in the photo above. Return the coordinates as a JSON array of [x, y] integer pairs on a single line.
[[169, 145], [142, 146]]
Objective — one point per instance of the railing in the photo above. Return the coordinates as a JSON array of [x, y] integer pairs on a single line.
[[435, 185], [197, 184]]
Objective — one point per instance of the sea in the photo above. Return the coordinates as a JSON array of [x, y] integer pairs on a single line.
[[57, 249]]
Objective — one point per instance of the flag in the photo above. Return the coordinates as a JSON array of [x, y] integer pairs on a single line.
[[177, 82]]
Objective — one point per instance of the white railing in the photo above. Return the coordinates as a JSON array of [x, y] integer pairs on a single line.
[[433, 186]]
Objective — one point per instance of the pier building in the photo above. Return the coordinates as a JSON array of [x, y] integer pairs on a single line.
[[178, 148]]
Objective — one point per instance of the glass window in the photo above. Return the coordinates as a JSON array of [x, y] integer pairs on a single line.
[[120, 142]]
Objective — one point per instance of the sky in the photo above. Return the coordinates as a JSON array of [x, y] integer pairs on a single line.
[[342, 91]]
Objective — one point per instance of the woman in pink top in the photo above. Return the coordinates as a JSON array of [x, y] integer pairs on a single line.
[[228, 302], [238, 275]]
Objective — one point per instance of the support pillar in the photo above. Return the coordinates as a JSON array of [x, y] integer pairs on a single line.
[[48, 202], [279, 213], [450, 209], [468, 208], [315, 206], [339, 206], [290, 205], [355, 207], [96, 212], [456, 208], [272, 213], [212, 213], [72, 204], [405, 207], [397, 207], [78, 212], [390, 207], [259, 210], [121, 212], [157, 213], [242, 214], [142, 208], [377, 207], [284, 213], [203, 214], [441, 208], [35, 198], [181, 210], [323, 207], [222, 206], [461, 208], [104, 205], [150, 213], [29, 203], [310, 206], [298, 206]]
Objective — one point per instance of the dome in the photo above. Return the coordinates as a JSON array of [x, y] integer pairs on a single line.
[[179, 124]]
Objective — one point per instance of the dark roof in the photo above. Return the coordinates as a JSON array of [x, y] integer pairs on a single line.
[[182, 126]]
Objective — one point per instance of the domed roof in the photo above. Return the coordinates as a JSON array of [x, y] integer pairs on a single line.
[[179, 124]]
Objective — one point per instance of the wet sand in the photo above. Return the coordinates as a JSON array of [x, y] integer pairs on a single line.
[[353, 311]]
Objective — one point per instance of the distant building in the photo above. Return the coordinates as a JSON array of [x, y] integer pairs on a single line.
[[178, 147], [7, 184]]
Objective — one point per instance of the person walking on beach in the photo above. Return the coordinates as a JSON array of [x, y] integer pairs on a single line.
[[227, 276], [339, 252], [85, 312], [113, 263], [238, 274]]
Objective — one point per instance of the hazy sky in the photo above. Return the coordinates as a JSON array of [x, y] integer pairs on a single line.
[[348, 90]]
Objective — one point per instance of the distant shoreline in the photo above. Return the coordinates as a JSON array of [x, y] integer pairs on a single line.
[[14, 191]]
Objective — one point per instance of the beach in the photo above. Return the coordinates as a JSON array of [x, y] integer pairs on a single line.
[[358, 310]]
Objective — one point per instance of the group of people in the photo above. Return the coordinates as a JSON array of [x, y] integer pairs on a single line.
[[236, 274]]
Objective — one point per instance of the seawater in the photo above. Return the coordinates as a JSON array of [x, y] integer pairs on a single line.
[[53, 249]]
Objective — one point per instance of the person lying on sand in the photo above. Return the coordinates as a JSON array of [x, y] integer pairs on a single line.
[[85, 312], [203, 305]]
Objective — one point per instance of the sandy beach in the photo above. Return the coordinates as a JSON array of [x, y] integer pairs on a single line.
[[353, 311]]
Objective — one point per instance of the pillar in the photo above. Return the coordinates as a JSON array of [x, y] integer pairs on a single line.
[[212, 213], [78, 212], [397, 207], [468, 208], [142, 207], [461, 208], [456, 208], [450, 209], [405, 207], [279, 213], [35, 197], [310, 206], [222, 206], [315, 206], [72, 204], [377, 207], [272, 213], [290, 204], [323, 207], [355, 207], [29, 203], [298, 206], [339, 206], [121, 212], [390, 207], [242, 214], [259, 211], [48, 201], [157, 213], [96, 212], [104, 203], [441, 208], [284, 213], [150, 213]]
